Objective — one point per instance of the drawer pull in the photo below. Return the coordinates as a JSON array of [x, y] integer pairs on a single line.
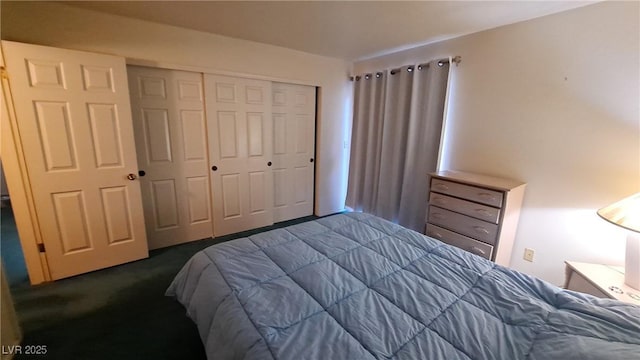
[[481, 230], [438, 216], [483, 212], [438, 235], [477, 251], [441, 186], [487, 196], [440, 201]]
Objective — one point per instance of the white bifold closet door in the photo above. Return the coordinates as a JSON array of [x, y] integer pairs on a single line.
[[74, 121], [171, 144], [294, 114], [240, 133]]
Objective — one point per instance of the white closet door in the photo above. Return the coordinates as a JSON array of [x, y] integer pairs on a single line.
[[240, 145], [294, 112], [74, 120], [170, 132]]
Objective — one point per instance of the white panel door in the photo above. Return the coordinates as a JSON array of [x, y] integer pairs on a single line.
[[74, 120], [294, 119], [240, 145], [170, 132]]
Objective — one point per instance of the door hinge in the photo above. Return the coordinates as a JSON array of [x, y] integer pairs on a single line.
[[3, 72], [41, 247]]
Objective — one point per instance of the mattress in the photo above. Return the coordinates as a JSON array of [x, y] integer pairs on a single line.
[[354, 286]]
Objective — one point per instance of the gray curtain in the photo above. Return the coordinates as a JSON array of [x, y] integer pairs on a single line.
[[397, 126]]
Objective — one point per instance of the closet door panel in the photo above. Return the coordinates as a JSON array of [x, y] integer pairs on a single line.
[[230, 200], [74, 121], [156, 136], [170, 130], [199, 200], [293, 117], [240, 143], [257, 194], [228, 124], [193, 135], [256, 134], [105, 134], [165, 204]]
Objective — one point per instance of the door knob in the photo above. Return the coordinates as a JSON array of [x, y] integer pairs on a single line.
[[269, 163], [132, 176], [311, 160], [214, 168], [142, 173]]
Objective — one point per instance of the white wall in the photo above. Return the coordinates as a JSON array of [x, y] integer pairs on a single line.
[[69, 27], [553, 102]]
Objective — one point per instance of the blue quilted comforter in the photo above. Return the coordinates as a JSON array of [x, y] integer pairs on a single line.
[[354, 286]]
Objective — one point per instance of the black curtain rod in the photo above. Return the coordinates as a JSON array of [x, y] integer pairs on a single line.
[[456, 59]]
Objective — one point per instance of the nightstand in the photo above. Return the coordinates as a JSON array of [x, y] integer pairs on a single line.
[[599, 280]]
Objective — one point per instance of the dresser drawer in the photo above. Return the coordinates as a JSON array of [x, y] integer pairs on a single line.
[[473, 193], [478, 211], [463, 224], [460, 241]]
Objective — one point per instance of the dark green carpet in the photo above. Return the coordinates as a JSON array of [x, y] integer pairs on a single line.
[[116, 313], [10, 248]]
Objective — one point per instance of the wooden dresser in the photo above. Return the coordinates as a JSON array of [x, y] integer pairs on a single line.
[[477, 213]]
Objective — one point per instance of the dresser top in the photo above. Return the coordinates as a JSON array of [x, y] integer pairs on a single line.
[[479, 180]]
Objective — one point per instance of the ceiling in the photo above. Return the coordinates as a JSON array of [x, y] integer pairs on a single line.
[[351, 30]]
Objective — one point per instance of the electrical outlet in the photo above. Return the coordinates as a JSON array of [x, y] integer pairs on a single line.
[[528, 254]]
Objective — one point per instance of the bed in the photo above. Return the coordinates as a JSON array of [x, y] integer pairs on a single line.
[[354, 286]]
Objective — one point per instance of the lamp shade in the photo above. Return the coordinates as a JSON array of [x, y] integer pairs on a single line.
[[624, 213]]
